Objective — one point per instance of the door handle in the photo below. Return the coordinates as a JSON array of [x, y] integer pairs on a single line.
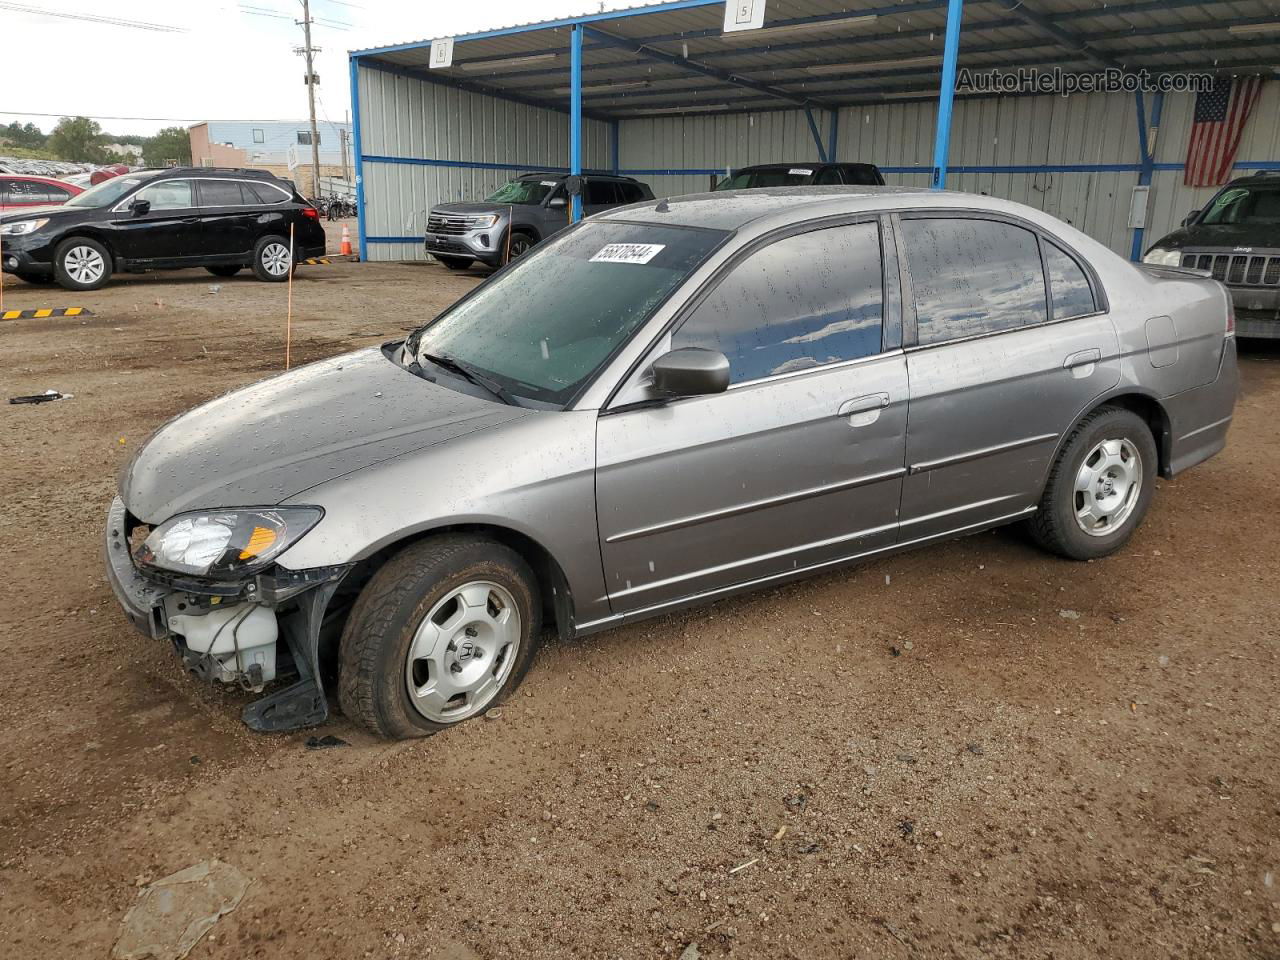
[[190, 219], [1082, 357], [864, 411]]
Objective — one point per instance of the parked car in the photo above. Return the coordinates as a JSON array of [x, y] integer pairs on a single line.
[[524, 212], [219, 219], [1236, 237], [20, 192], [660, 406], [802, 175]]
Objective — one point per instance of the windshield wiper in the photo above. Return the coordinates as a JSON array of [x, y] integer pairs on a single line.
[[472, 375]]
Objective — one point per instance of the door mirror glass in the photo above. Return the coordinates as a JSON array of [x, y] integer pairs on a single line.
[[140, 207], [691, 372], [558, 202], [1190, 216]]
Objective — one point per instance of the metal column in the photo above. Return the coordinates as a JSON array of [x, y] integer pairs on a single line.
[[575, 114], [1147, 146], [946, 95], [359, 157]]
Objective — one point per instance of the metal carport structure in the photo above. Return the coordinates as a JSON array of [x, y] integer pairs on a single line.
[[661, 92]]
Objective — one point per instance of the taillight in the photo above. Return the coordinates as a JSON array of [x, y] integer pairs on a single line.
[[1231, 317], [311, 212]]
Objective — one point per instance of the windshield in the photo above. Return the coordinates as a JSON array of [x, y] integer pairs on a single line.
[[108, 191], [524, 191], [776, 177], [543, 327], [1258, 203]]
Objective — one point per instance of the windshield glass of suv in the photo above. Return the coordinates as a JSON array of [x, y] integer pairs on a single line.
[[543, 327], [523, 191], [107, 192], [750, 179], [1258, 203]]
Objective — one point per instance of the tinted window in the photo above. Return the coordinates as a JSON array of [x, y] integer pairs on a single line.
[[168, 195], [972, 276], [862, 174], [631, 192], [828, 176], [219, 193], [263, 193], [1068, 285], [801, 302], [601, 193]]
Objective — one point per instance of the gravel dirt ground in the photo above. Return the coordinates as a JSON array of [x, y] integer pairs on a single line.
[[974, 750]]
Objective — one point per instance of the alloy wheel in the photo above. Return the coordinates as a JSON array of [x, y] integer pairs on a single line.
[[1107, 487], [84, 265], [275, 259], [463, 652]]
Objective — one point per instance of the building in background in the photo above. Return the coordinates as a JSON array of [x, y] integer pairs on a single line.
[[132, 152], [281, 146]]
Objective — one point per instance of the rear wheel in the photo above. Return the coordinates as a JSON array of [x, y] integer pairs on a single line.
[[229, 270], [441, 633], [271, 259], [81, 264], [456, 263], [1100, 487]]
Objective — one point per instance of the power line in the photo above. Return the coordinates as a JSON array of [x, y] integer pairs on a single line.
[[93, 18]]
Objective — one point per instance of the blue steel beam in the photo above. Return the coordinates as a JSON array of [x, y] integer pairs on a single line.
[[946, 94], [1148, 158], [575, 116], [817, 137], [833, 128], [361, 234]]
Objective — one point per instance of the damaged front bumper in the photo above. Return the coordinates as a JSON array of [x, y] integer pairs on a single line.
[[229, 631]]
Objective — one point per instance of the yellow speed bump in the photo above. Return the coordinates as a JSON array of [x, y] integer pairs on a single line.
[[325, 261], [46, 312]]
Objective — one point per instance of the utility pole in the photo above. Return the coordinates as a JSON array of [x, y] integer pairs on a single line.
[[309, 52], [346, 122]]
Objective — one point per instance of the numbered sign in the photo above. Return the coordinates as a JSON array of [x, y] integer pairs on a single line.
[[743, 15], [442, 53]]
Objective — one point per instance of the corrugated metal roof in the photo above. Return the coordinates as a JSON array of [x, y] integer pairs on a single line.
[[673, 57]]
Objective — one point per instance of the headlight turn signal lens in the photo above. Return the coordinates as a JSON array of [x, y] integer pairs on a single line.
[[225, 544]]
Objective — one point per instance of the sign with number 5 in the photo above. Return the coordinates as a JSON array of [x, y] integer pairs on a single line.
[[743, 15]]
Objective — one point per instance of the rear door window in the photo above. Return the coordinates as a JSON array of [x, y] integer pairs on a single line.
[[1068, 285], [828, 176], [630, 192], [971, 277], [219, 193], [601, 193], [862, 174], [800, 302]]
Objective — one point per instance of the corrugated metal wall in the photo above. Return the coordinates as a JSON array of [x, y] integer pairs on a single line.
[[405, 119]]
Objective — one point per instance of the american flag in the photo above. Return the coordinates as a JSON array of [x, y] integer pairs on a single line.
[[1221, 113]]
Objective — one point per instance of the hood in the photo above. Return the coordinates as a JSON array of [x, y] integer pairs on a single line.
[[31, 213], [472, 208], [267, 442], [1264, 236]]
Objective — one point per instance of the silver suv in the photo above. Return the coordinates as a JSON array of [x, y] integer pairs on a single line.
[[659, 407], [524, 212]]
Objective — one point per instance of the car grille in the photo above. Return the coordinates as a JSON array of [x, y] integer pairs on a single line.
[[1237, 269], [448, 226]]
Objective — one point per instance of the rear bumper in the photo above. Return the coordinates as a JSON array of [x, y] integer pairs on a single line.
[[1200, 418], [1257, 311]]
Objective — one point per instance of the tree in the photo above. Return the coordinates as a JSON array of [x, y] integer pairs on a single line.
[[171, 143], [22, 135], [79, 140]]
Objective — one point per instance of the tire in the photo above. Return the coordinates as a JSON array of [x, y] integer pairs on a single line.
[[35, 279], [271, 259], [228, 270], [415, 605], [520, 244], [456, 263], [1089, 508], [81, 264]]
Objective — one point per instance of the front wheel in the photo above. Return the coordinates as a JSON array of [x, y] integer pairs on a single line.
[[441, 633], [518, 246], [1100, 486], [81, 264], [230, 270], [271, 259]]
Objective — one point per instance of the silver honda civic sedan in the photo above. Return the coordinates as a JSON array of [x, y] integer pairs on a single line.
[[662, 406]]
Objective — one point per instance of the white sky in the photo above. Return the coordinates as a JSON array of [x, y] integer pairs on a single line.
[[228, 64]]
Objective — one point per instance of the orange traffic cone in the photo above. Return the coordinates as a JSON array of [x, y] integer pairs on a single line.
[[345, 249]]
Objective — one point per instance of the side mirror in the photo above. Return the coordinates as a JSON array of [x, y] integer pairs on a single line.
[[558, 202], [1190, 216], [691, 372], [140, 207]]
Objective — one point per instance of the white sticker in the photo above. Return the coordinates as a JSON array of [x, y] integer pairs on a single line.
[[441, 53], [628, 252], [548, 183], [800, 172]]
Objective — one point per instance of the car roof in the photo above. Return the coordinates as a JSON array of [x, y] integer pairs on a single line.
[[564, 176], [214, 173], [1262, 176], [38, 179], [811, 164]]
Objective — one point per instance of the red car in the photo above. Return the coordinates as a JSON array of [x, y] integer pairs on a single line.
[[18, 191]]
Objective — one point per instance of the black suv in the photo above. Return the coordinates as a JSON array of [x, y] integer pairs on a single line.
[[803, 175], [219, 219], [537, 204], [1236, 237]]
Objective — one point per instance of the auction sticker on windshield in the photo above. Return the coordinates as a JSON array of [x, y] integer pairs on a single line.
[[628, 252], [799, 171]]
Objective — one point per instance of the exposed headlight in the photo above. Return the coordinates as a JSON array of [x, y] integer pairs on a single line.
[[21, 227], [225, 544], [479, 223], [1163, 257]]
